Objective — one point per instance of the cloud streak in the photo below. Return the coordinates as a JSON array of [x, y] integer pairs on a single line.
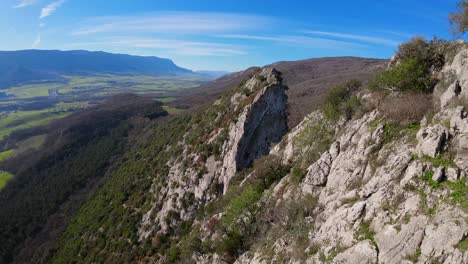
[[173, 22], [24, 3], [308, 42], [363, 38], [171, 46], [37, 41], [49, 9]]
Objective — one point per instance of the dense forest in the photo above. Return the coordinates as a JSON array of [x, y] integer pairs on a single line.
[[76, 154]]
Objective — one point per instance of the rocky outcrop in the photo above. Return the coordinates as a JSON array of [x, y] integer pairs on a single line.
[[259, 113], [381, 200], [456, 75], [261, 124]]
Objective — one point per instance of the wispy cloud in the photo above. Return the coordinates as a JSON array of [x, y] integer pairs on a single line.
[[170, 46], [299, 41], [173, 22], [363, 38], [37, 41], [398, 34], [49, 9], [24, 3]]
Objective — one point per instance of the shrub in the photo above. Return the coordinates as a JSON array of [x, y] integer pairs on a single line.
[[297, 174], [340, 100], [430, 54], [406, 109], [268, 169], [413, 66], [408, 75], [231, 244], [245, 201]]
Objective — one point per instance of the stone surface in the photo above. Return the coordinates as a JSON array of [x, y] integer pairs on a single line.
[[431, 140], [261, 124], [361, 253]]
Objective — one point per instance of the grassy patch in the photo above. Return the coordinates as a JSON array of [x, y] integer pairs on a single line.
[[463, 245], [439, 161], [414, 257], [4, 178], [394, 132], [458, 193], [5, 154], [427, 177], [365, 232], [298, 174]]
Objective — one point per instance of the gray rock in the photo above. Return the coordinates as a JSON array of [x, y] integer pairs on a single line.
[[318, 172], [431, 140], [361, 253], [262, 123], [395, 246], [439, 174], [453, 174]]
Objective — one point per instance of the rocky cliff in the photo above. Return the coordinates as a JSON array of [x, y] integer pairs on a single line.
[[230, 183], [254, 118]]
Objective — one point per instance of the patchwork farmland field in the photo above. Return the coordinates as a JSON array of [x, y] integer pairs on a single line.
[[33, 105]]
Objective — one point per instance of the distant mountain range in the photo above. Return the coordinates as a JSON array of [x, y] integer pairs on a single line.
[[23, 66], [213, 74]]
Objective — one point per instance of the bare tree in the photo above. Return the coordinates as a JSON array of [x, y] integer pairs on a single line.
[[459, 19]]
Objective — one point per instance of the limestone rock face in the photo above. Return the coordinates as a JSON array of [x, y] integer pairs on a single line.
[[457, 73], [257, 123], [317, 172], [261, 124]]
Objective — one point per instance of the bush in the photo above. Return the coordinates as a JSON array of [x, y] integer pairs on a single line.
[[408, 75], [297, 174], [245, 202], [406, 109], [413, 66], [340, 100], [268, 169], [231, 244]]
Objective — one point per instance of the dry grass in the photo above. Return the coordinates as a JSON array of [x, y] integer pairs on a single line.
[[406, 109]]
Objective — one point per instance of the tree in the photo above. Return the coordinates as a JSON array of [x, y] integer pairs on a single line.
[[459, 19]]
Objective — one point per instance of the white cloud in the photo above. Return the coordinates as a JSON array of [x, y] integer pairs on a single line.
[[299, 41], [37, 41], [173, 22], [368, 39], [48, 10], [171, 46], [24, 3]]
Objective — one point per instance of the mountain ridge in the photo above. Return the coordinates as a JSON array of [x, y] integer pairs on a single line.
[[33, 65]]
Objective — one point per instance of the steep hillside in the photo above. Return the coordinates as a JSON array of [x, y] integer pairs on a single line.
[[36, 65], [51, 182], [370, 177], [308, 80]]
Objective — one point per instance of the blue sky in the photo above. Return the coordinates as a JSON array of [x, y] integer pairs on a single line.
[[223, 34]]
